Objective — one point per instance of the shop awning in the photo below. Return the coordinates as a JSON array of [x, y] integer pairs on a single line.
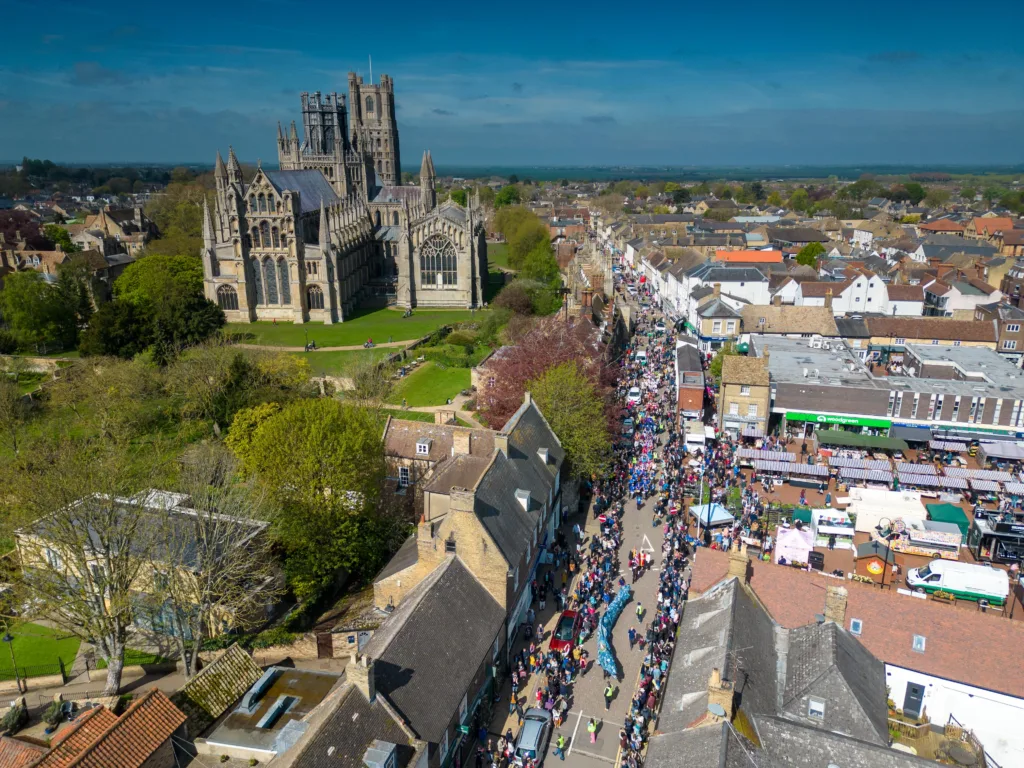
[[1002, 451], [948, 513], [854, 440], [913, 434]]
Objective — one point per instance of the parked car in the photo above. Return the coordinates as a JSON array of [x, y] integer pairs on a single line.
[[631, 289], [565, 632], [627, 427], [641, 356], [634, 396], [532, 741]]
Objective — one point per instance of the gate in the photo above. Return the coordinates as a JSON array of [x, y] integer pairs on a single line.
[[324, 645]]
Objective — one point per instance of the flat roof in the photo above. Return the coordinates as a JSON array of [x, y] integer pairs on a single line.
[[252, 729], [991, 375]]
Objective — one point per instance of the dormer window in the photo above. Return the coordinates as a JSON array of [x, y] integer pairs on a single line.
[[423, 447], [523, 497], [543, 454]]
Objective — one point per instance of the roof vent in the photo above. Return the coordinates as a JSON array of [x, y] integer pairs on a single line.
[[523, 497], [919, 641]]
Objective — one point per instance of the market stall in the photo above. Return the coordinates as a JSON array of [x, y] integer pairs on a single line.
[[712, 515], [927, 538], [747, 456], [996, 541], [878, 477], [792, 545], [808, 475], [950, 513], [832, 524]]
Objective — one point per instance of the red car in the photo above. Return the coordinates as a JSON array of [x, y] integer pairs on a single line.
[[564, 636]]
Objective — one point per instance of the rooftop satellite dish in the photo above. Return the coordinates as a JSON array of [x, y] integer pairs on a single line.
[[717, 710]]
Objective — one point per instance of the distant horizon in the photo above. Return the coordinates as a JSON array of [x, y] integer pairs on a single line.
[[813, 86]]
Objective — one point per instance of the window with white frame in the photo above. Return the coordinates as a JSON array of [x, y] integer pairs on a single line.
[[54, 559], [422, 447], [752, 410], [816, 709], [734, 409], [730, 326], [1013, 328], [899, 341], [745, 390], [1009, 344], [716, 326], [403, 477]]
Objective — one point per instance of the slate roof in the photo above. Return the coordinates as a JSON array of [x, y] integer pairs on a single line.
[[718, 273], [348, 729], [398, 194], [407, 555], [851, 328], [889, 623], [717, 308], [787, 744], [311, 185], [1003, 310], [796, 235], [428, 651]]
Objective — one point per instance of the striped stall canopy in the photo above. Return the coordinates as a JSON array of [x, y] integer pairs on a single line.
[[810, 470], [927, 481], [752, 432], [979, 474], [753, 453], [906, 468], [782, 467], [871, 475], [1017, 489], [947, 445], [841, 461], [957, 483], [988, 486]]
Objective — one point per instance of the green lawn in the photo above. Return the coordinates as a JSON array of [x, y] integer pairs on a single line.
[[378, 324], [338, 363], [430, 385], [132, 657], [398, 413], [497, 255], [38, 648]]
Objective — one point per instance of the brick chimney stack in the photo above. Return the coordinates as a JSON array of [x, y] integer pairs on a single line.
[[828, 298], [738, 561], [721, 692], [360, 674], [835, 604], [717, 287]]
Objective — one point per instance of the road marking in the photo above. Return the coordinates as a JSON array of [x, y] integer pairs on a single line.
[[572, 741], [648, 547]]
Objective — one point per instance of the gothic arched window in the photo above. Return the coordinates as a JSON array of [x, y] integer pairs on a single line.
[[394, 218], [284, 240], [227, 298], [257, 282], [282, 276], [262, 203], [270, 281], [255, 238], [369, 103], [252, 204], [265, 234], [438, 263], [376, 218], [314, 297], [275, 237], [329, 140]]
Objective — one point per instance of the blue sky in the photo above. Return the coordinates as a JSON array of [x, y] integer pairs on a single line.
[[593, 83]]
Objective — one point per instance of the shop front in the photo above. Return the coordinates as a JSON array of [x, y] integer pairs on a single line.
[[803, 424]]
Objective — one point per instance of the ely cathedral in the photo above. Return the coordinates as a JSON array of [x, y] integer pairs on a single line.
[[334, 228]]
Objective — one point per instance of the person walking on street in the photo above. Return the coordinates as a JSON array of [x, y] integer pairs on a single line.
[[609, 694], [592, 730], [560, 747], [640, 611], [632, 638]]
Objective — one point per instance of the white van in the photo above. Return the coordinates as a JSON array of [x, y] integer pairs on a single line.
[[641, 356], [963, 580]]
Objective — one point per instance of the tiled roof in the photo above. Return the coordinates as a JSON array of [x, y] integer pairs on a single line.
[[72, 742], [905, 293], [820, 289], [691, 398], [401, 437], [787, 319], [218, 686], [796, 235], [146, 725], [18, 754], [931, 328], [970, 647], [942, 225], [749, 257], [738, 369], [992, 224]]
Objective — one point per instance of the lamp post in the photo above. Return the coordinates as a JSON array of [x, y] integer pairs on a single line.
[[9, 639], [885, 559]]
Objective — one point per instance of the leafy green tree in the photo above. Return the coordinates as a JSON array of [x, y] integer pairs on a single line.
[[936, 198], [681, 196], [968, 193], [178, 215], [810, 254], [642, 191], [459, 196], [572, 404], [35, 312], [991, 194], [563, 183], [507, 196], [523, 232], [323, 461], [540, 265], [774, 198], [486, 194], [671, 187], [799, 200], [118, 329], [513, 179], [57, 235], [182, 324], [715, 366], [915, 192], [154, 279], [74, 290]]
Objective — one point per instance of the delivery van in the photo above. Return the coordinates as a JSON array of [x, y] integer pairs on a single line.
[[963, 580], [641, 356]]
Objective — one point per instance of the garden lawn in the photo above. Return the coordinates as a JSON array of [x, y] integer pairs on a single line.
[[430, 385], [398, 413], [37, 648], [377, 324], [133, 657], [339, 363], [497, 255]]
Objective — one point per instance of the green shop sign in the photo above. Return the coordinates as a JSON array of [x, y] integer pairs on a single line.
[[824, 418]]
